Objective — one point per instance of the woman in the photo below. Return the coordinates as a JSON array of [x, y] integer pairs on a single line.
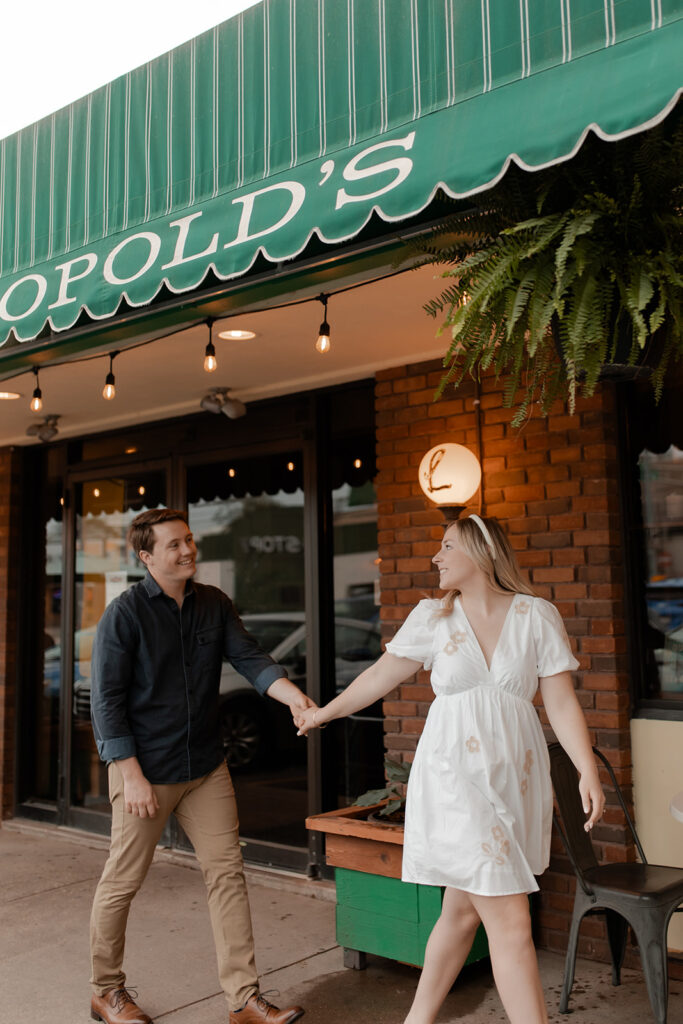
[[479, 808]]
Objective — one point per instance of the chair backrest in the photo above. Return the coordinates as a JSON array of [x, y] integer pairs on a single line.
[[570, 825], [571, 817]]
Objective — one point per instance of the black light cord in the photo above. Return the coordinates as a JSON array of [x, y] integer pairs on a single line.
[[208, 321]]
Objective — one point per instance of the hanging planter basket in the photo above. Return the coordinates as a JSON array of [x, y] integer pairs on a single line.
[[543, 271]]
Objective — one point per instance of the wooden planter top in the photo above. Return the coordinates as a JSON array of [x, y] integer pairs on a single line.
[[353, 842], [352, 821]]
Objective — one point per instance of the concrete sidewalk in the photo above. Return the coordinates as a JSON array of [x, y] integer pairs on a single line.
[[48, 879]]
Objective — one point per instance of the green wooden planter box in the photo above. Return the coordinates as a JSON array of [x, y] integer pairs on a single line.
[[391, 918], [377, 912]]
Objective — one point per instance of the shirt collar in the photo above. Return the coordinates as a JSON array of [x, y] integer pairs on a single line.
[[154, 590]]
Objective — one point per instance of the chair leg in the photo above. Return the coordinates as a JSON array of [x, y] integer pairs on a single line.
[[650, 932], [570, 961], [617, 928]]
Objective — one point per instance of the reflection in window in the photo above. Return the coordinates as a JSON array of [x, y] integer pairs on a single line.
[[105, 567], [661, 486], [247, 520], [359, 738]]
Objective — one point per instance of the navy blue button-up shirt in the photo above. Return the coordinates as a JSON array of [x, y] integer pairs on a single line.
[[156, 675]]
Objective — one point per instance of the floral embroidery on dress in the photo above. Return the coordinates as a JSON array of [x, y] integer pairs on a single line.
[[472, 745], [526, 768], [457, 638], [522, 607], [500, 848]]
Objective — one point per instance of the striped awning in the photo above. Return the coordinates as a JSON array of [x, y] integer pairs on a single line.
[[301, 118]]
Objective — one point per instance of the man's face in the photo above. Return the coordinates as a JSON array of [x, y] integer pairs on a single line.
[[174, 557]]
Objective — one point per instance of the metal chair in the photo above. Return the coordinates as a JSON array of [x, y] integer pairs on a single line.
[[642, 895]]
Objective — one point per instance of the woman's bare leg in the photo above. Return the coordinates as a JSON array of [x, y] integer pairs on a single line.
[[447, 949], [513, 958]]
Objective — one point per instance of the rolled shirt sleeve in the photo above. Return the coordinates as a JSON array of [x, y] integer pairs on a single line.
[[111, 676]]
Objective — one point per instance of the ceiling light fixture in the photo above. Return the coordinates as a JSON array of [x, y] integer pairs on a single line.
[[46, 430], [236, 335], [218, 400], [37, 399], [210, 361], [323, 342], [109, 389]]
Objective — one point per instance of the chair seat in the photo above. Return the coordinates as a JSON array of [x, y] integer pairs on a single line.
[[640, 881]]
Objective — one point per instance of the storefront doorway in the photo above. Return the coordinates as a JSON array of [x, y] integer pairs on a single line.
[[285, 526]]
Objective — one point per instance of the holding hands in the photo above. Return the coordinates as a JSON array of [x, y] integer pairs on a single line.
[[307, 721]]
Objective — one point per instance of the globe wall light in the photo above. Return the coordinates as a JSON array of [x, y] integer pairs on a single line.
[[449, 475]]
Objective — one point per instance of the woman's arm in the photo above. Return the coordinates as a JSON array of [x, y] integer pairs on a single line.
[[375, 682], [569, 725]]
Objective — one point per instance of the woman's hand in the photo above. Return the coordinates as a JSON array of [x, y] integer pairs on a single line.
[[307, 721], [592, 797]]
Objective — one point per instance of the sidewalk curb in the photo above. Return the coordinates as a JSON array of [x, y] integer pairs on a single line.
[[274, 878]]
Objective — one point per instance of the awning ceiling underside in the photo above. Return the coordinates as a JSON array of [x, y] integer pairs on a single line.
[[302, 118]]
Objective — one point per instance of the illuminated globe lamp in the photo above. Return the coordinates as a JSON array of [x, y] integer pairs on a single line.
[[449, 475]]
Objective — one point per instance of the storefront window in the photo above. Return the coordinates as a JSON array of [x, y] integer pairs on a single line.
[[661, 487], [105, 567], [247, 520], [47, 708], [359, 739], [652, 438]]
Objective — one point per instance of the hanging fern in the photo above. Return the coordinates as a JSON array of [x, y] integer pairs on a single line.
[[564, 271]]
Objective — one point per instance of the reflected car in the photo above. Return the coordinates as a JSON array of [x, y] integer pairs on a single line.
[[252, 728]]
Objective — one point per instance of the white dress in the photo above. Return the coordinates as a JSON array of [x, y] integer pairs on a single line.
[[479, 807]]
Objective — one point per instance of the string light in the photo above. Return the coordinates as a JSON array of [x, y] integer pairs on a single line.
[[210, 361], [290, 467], [323, 345], [109, 389], [231, 472], [357, 463], [37, 399], [323, 342], [141, 489], [96, 492]]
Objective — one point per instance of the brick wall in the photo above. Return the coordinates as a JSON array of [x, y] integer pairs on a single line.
[[553, 484], [9, 516]]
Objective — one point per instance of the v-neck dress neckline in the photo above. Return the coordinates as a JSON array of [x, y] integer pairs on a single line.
[[474, 637]]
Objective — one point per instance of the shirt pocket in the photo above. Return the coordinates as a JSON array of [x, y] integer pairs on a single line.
[[209, 638]]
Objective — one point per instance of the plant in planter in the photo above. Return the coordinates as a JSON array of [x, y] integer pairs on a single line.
[[392, 797], [561, 273]]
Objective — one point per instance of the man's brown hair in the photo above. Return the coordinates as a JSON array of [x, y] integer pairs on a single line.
[[141, 530]]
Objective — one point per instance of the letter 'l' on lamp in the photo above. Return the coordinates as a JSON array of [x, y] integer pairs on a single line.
[[449, 475]]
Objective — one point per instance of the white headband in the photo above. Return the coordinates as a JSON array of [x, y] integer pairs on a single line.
[[485, 531]]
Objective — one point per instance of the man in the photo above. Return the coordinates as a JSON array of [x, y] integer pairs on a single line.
[[156, 669]]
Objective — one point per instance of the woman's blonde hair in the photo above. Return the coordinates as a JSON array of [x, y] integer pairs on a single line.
[[503, 572]]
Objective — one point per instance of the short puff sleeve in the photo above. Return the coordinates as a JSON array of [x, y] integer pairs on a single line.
[[553, 653], [415, 638]]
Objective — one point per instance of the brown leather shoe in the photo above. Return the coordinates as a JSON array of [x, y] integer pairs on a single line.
[[259, 1011], [117, 1006]]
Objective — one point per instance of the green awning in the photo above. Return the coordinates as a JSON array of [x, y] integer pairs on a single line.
[[301, 118]]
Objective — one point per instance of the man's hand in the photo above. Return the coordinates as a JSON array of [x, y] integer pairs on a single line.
[[287, 693], [307, 721], [139, 797]]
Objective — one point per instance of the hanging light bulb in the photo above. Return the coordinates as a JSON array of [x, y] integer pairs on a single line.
[[323, 342], [37, 399], [210, 361], [109, 389]]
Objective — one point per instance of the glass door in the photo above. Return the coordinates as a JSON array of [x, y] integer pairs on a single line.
[[247, 517], [104, 567]]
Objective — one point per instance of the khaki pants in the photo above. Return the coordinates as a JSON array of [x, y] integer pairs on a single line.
[[207, 811]]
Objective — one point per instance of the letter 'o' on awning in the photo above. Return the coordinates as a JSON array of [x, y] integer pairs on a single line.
[[303, 117]]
